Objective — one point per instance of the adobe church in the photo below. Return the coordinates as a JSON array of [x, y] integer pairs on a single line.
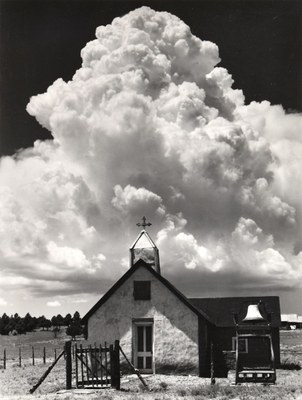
[[161, 330]]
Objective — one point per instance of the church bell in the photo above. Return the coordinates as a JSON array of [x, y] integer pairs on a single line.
[[253, 313]]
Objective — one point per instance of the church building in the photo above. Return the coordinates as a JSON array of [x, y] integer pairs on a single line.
[[160, 329]]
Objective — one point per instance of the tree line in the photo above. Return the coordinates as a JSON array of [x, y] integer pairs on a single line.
[[18, 325]]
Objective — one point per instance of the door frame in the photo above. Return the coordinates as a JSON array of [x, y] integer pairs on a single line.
[[142, 322]]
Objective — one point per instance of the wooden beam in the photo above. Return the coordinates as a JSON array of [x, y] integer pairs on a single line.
[[135, 370], [45, 373]]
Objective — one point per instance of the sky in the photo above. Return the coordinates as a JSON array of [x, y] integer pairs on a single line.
[[191, 116]]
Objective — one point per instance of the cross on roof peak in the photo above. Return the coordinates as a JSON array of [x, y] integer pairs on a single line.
[[144, 223]]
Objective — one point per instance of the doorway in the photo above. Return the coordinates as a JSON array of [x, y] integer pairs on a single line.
[[143, 346]]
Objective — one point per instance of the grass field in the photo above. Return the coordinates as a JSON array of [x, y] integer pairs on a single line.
[[38, 340], [15, 382]]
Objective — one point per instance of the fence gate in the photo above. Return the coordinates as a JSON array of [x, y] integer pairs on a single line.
[[97, 366]]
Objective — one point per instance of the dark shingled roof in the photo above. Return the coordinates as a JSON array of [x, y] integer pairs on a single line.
[[221, 309]]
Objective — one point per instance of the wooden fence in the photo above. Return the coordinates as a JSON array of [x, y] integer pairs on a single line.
[[92, 366]]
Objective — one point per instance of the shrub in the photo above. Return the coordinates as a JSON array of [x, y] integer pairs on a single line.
[[290, 364], [181, 392], [163, 385]]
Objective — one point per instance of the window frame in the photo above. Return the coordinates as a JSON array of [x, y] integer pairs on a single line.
[[246, 347]]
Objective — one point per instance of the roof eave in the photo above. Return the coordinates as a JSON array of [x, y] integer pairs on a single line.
[[142, 263]]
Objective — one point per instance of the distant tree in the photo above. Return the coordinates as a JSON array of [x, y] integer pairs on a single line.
[[4, 324], [56, 330], [10, 327], [17, 317], [47, 324], [76, 316], [20, 326], [74, 329], [67, 319], [35, 322], [41, 322], [60, 320], [29, 323], [18, 323], [54, 321]]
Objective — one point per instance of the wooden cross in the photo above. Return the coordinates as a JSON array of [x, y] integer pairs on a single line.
[[144, 223]]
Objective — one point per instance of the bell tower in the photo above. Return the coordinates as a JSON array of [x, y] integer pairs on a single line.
[[144, 248]]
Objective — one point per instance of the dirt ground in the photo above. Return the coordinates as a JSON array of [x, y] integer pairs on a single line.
[[15, 383], [161, 387]]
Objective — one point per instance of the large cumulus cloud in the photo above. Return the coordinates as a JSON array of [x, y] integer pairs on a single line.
[[150, 125]]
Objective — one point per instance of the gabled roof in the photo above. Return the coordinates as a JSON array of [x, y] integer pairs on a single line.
[[142, 264], [143, 241], [222, 309]]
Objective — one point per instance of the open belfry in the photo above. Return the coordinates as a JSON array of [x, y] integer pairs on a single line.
[[144, 248], [160, 329]]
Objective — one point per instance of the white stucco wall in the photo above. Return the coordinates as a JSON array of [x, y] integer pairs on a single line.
[[175, 325]]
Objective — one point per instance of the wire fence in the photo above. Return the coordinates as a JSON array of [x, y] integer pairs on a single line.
[[28, 355]]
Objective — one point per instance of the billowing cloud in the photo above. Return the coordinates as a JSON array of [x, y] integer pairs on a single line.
[[131, 199], [149, 125]]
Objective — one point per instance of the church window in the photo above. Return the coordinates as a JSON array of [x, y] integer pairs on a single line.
[[142, 290]]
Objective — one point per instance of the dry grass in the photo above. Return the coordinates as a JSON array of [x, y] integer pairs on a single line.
[[38, 340], [15, 382]]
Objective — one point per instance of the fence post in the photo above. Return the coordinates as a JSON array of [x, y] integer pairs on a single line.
[[112, 366], [76, 365], [20, 357], [117, 364], [106, 361], [44, 355], [33, 355], [67, 349], [55, 354], [4, 359], [212, 365]]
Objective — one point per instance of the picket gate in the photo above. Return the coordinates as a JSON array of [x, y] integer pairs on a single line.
[[97, 366]]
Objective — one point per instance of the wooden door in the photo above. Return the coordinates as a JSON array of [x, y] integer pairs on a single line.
[[144, 348]]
